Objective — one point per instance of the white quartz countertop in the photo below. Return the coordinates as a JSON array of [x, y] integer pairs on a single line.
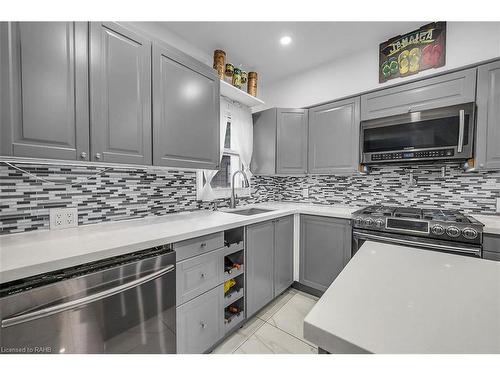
[[28, 254], [396, 299], [491, 223]]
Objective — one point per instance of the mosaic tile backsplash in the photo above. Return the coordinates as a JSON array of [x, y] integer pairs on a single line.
[[117, 194], [469, 192]]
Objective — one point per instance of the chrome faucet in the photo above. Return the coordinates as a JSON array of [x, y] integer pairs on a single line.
[[232, 202]]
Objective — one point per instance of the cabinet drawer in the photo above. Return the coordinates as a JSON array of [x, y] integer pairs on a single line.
[[449, 89], [197, 275], [491, 243], [200, 322], [199, 245]]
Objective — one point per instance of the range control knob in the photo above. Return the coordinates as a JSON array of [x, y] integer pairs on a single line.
[[469, 233], [379, 223], [368, 221], [453, 231], [358, 221], [437, 229]]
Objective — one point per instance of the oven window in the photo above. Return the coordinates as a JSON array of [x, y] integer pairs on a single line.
[[442, 132]]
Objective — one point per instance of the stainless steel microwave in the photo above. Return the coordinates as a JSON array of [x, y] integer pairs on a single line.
[[436, 134]]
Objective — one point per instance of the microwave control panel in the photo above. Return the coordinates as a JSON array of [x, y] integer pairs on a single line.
[[413, 155]]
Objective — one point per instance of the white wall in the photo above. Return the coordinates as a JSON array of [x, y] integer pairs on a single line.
[[466, 43]]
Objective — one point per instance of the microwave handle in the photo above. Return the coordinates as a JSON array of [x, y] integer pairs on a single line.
[[461, 129]]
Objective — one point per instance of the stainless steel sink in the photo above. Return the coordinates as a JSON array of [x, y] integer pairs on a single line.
[[249, 211]]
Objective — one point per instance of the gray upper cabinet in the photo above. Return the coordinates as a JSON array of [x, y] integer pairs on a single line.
[[260, 265], [291, 153], [120, 95], [185, 111], [488, 116], [334, 137], [280, 141], [325, 248], [448, 89], [264, 142], [44, 71], [283, 254]]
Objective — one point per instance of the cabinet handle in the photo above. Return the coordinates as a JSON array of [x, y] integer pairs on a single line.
[[203, 244], [98, 156], [83, 155], [203, 325], [202, 275]]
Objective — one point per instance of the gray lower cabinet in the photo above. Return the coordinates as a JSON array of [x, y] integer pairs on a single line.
[[260, 265], [325, 248], [283, 254], [44, 84], [200, 322], [120, 95], [334, 137], [280, 141], [491, 246], [185, 111], [269, 247], [488, 116], [441, 91]]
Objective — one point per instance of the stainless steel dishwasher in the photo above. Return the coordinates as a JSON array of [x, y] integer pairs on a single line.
[[124, 304]]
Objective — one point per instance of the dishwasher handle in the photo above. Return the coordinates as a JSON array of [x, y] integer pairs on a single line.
[[42, 313]]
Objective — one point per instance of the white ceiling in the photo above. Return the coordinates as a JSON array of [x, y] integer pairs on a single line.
[[255, 45]]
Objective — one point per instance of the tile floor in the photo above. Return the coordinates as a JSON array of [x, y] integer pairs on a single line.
[[276, 329]]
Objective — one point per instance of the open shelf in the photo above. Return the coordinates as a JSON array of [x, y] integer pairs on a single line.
[[240, 96], [234, 314], [234, 264], [236, 292]]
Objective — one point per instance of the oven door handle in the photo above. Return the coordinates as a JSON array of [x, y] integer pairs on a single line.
[[42, 313], [461, 129], [367, 236]]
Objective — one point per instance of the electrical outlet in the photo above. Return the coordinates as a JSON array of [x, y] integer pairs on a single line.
[[61, 218], [305, 193], [498, 205]]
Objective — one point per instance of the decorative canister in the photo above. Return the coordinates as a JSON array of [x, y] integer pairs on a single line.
[[229, 70], [244, 77], [237, 78], [220, 62], [252, 83]]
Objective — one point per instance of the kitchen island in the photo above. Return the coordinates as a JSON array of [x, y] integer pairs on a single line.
[[397, 299]]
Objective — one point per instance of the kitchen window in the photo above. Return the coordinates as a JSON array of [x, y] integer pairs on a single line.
[[230, 162]]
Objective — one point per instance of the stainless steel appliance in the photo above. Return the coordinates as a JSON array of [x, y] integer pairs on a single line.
[[124, 304], [438, 134], [432, 229]]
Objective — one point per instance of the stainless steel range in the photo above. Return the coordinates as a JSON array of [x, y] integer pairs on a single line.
[[434, 229]]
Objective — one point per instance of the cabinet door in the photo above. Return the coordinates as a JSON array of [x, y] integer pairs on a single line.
[[334, 137], [488, 116], [45, 90], [199, 322], [325, 248], [120, 95], [291, 156], [449, 89], [283, 254], [185, 111], [260, 266], [264, 142]]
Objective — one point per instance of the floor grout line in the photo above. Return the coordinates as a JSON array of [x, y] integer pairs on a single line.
[[291, 334]]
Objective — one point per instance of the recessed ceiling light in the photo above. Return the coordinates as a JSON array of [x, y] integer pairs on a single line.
[[286, 40]]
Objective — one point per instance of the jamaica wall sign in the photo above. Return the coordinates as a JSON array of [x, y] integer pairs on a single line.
[[414, 52]]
